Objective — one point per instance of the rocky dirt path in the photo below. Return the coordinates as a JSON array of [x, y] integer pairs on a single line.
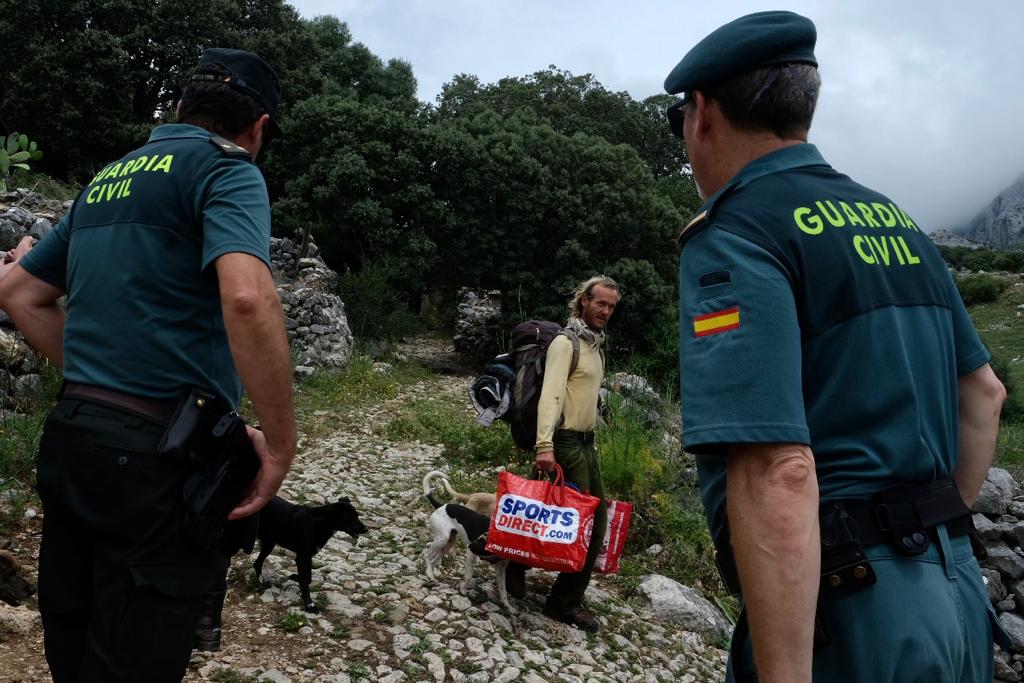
[[381, 619]]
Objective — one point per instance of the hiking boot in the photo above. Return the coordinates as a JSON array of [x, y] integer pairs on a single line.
[[515, 580], [208, 629], [580, 617]]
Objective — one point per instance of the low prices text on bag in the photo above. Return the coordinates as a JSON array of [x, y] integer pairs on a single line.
[[541, 524]]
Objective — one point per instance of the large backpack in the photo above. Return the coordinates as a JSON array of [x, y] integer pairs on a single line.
[[528, 346]]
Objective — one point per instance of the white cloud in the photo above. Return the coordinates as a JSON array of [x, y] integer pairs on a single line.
[[921, 99]]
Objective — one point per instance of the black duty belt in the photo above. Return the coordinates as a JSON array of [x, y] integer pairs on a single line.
[[156, 410], [582, 437], [904, 517]]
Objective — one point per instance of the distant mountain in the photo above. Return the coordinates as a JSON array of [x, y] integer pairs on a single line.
[[948, 238], [1001, 224]]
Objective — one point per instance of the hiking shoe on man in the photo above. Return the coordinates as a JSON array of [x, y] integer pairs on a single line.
[[580, 617], [515, 580]]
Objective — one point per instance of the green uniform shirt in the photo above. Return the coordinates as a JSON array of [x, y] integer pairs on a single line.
[[813, 310], [135, 257]]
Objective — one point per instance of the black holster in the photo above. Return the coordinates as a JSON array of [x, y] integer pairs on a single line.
[[215, 442]]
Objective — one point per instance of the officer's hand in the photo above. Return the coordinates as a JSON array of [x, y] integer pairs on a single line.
[[545, 461], [22, 248], [273, 468]]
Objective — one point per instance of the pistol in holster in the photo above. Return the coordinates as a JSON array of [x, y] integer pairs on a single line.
[[213, 438]]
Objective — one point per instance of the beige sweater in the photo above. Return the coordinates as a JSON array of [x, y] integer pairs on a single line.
[[574, 397]]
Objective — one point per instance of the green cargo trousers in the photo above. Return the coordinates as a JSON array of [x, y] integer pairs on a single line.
[[578, 459], [927, 619]]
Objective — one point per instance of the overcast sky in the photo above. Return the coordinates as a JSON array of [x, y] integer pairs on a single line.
[[924, 101]]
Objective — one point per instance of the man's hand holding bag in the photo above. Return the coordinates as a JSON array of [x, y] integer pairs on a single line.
[[541, 524]]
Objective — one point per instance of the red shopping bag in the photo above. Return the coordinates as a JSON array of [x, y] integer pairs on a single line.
[[619, 514], [541, 524]]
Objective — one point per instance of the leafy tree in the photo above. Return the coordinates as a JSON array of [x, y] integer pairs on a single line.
[[89, 78], [573, 104], [532, 212], [353, 170]]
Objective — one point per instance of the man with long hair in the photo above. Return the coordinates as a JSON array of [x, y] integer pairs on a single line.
[[566, 418]]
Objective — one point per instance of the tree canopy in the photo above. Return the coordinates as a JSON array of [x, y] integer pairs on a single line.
[[526, 185]]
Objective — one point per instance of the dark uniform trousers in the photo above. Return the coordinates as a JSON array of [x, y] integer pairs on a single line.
[[578, 458], [120, 585]]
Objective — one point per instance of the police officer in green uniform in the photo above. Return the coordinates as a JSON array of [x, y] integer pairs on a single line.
[[836, 394], [164, 259]]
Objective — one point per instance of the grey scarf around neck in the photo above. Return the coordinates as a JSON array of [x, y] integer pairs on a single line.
[[584, 333]]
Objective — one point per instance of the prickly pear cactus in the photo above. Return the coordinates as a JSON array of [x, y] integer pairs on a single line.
[[15, 152]]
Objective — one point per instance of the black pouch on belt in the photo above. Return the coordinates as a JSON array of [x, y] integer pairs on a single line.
[[183, 430], [213, 438], [230, 466], [844, 565]]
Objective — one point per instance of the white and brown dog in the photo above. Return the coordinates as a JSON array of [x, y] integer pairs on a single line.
[[451, 523], [482, 503]]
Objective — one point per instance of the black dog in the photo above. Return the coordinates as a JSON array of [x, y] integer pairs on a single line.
[[304, 531], [13, 586]]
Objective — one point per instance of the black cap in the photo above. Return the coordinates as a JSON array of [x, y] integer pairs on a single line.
[[746, 44], [245, 72]]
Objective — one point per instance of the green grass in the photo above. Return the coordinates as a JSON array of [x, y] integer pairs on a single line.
[[292, 622], [323, 400], [19, 442], [1010, 449], [46, 186], [451, 423], [1002, 331]]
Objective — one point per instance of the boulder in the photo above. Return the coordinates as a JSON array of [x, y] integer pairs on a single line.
[[21, 619], [1014, 626], [1004, 482], [14, 352], [987, 529], [10, 234], [991, 500], [1001, 557], [635, 387], [994, 584], [27, 390], [678, 604], [1002, 669], [40, 228]]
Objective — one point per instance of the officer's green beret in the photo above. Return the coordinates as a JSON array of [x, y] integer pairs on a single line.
[[748, 43], [245, 72]]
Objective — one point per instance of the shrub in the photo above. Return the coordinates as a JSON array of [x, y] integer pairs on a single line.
[[980, 289], [376, 308], [1013, 408]]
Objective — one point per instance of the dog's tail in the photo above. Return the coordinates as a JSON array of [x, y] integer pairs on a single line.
[[428, 490]]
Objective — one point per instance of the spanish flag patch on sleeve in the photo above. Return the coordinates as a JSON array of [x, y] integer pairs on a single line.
[[719, 321]]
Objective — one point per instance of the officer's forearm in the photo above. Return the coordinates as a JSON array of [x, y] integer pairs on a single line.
[[981, 397], [32, 305], [772, 498], [259, 347]]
